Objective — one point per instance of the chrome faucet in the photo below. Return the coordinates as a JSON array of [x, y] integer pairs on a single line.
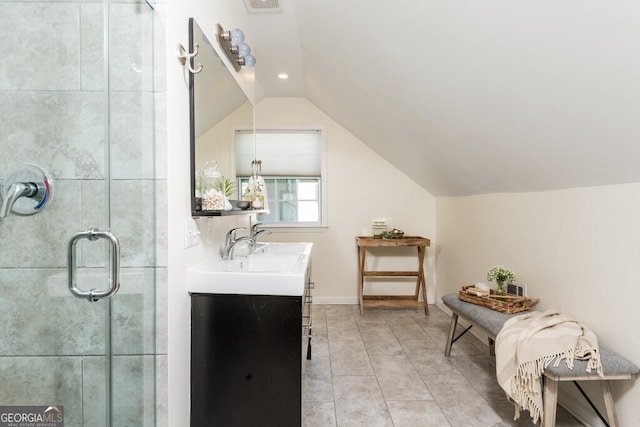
[[229, 250], [255, 235], [255, 232], [254, 228], [231, 237]]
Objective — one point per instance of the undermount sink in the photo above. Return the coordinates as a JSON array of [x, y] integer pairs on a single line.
[[274, 269]]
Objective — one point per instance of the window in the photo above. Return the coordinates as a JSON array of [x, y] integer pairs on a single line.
[[292, 170], [291, 200]]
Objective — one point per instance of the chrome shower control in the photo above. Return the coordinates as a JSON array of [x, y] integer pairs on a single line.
[[26, 191]]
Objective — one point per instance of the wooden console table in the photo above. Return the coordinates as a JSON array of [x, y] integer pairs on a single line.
[[364, 242]]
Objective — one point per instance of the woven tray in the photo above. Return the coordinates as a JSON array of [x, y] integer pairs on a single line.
[[508, 304]]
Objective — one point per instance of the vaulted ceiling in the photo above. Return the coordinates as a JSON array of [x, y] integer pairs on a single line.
[[468, 97]]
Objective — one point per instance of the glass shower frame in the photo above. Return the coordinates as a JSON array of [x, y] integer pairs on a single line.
[[77, 99]]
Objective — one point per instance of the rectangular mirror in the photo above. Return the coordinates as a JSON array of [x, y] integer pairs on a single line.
[[218, 107]]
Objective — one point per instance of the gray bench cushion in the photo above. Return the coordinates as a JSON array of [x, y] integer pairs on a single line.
[[492, 321], [612, 365]]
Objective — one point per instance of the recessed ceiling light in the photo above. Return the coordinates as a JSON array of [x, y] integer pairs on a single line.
[[283, 76]]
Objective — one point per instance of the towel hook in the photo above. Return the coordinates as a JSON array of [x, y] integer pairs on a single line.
[[183, 55]]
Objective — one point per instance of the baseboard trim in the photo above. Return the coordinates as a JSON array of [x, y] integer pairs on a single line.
[[335, 300]]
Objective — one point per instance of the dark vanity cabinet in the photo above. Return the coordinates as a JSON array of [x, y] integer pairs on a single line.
[[246, 359]]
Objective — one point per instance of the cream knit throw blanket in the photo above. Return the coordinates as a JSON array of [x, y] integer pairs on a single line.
[[529, 343]]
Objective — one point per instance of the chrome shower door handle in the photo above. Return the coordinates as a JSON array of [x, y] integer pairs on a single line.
[[94, 294]]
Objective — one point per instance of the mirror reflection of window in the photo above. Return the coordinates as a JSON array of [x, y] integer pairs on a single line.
[[292, 170]]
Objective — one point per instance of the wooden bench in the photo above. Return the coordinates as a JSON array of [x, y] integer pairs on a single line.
[[490, 322]]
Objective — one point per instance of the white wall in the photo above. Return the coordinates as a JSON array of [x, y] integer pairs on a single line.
[[207, 13], [361, 185], [578, 250]]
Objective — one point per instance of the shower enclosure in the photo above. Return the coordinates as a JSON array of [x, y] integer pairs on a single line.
[[77, 100]]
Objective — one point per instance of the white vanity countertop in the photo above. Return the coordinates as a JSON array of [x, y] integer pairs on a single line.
[[277, 272]]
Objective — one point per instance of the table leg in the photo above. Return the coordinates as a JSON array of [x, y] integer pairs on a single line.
[[421, 279], [361, 260], [418, 281]]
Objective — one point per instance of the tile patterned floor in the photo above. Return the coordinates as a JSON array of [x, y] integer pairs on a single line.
[[387, 368]]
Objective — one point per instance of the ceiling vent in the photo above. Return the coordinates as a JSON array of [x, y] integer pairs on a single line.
[[260, 6]]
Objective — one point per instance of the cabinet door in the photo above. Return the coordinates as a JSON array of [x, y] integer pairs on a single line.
[[245, 360]]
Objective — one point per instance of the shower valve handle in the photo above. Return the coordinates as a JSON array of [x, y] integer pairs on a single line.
[[14, 192], [25, 191]]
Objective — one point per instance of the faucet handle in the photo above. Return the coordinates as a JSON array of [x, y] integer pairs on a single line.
[[15, 191], [228, 252], [26, 191], [231, 234], [254, 228]]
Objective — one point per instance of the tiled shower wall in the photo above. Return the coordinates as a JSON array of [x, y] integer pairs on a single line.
[[52, 113]]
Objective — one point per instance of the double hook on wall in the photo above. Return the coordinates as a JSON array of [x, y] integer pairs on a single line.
[[185, 57]]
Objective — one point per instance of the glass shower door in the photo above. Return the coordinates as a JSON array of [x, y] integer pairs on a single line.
[[76, 99]]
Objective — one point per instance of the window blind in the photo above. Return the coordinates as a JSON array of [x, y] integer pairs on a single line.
[[283, 153]]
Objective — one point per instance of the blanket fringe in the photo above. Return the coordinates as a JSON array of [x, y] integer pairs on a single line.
[[526, 382], [528, 344]]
